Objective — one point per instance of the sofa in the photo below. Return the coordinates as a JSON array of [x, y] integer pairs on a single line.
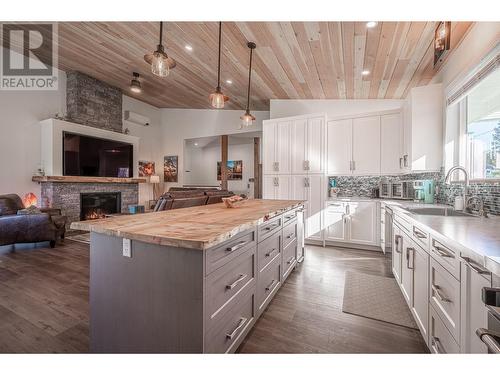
[[27, 228], [185, 197]]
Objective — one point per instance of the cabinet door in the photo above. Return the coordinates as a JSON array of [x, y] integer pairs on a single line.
[[269, 187], [335, 222], [283, 131], [315, 207], [474, 313], [298, 146], [339, 153], [407, 265], [366, 145], [420, 306], [391, 160], [269, 147], [283, 188], [315, 150], [362, 218], [397, 250], [406, 136]]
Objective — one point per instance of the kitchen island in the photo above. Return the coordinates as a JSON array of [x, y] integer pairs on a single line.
[[191, 280]]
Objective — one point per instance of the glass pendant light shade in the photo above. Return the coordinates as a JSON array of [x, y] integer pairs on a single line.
[[217, 99], [159, 64], [247, 119]]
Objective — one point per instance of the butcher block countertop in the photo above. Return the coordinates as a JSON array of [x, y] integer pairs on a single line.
[[198, 227]]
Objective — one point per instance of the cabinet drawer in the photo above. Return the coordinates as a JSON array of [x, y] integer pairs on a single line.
[[225, 336], [268, 284], [270, 227], [219, 255], [225, 284], [289, 258], [268, 250], [420, 236], [289, 233], [446, 256], [444, 294], [440, 341], [289, 216], [403, 223]]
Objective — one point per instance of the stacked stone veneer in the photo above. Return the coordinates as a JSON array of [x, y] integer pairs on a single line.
[[92, 102], [445, 193], [66, 196]]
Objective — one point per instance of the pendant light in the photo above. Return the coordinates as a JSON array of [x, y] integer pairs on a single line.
[[135, 84], [217, 98], [247, 118], [159, 60]]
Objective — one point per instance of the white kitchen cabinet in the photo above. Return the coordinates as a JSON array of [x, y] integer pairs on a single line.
[[420, 303], [276, 187], [310, 188], [276, 149], [391, 148], [339, 143], [474, 313], [362, 221], [308, 145], [335, 228], [298, 146], [366, 145], [407, 262], [423, 128]]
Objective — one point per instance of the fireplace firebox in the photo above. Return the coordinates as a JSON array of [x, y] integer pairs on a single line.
[[99, 205]]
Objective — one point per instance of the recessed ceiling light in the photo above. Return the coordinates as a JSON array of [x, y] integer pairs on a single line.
[[371, 24], [365, 72], [188, 47], [229, 82], [196, 144]]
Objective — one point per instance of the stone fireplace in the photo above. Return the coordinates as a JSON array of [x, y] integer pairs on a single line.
[[99, 205]]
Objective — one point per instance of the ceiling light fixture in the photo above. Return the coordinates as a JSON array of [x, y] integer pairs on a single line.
[[196, 144], [247, 118], [188, 47], [217, 98], [371, 24], [135, 84], [365, 72], [229, 82], [159, 60]]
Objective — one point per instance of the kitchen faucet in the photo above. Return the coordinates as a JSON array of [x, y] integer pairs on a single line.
[[466, 187]]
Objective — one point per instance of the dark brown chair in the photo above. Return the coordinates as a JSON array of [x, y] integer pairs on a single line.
[[189, 202], [217, 195]]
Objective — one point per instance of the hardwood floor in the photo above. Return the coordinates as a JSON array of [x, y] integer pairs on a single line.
[[44, 306]]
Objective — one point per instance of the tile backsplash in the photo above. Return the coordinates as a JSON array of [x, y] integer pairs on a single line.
[[363, 185]]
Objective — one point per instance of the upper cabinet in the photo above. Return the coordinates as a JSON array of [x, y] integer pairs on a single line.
[[366, 145], [339, 147], [391, 145], [423, 129], [276, 148], [294, 145]]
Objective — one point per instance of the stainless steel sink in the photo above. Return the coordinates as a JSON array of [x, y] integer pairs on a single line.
[[438, 211]]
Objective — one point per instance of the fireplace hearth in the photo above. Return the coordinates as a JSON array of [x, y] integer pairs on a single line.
[[99, 205]]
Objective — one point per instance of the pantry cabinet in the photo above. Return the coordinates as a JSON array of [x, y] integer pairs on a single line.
[[276, 187], [308, 145], [276, 154], [310, 188]]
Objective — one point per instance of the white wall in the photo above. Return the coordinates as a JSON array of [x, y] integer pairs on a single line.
[[333, 108], [181, 124], [201, 162]]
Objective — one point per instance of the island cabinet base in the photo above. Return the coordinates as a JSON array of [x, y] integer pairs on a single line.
[[165, 299]]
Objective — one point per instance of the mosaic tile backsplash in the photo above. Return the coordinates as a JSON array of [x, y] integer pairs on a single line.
[[363, 185]]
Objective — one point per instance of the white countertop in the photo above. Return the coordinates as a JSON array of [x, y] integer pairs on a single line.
[[476, 237]]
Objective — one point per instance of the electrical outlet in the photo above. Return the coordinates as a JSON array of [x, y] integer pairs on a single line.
[[127, 248]]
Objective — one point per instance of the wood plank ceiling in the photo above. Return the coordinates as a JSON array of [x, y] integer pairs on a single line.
[[293, 60]]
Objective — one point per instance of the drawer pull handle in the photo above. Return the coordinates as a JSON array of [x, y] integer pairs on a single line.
[[271, 253], [397, 239], [476, 267], [289, 217], [271, 227], [290, 261], [410, 257], [419, 234], [237, 246], [240, 325], [438, 294], [236, 282], [436, 344], [271, 286], [290, 236], [490, 338], [445, 253]]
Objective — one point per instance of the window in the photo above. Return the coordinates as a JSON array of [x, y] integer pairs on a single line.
[[483, 128]]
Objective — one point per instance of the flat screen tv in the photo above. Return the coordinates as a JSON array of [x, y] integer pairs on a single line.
[[96, 157]]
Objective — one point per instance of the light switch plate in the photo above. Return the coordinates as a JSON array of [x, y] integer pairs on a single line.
[[127, 248]]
